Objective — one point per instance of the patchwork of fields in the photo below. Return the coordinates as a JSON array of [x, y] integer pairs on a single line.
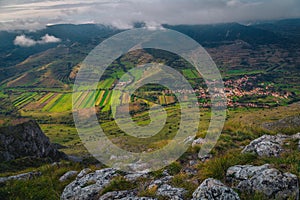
[[54, 102]]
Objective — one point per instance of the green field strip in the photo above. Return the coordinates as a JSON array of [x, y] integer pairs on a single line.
[[93, 99], [26, 100], [81, 98], [45, 98], [108, 98], [104, 98], [52, 103], [189, 74], [97, 95], [39, 96], [107, 102], [98, 92], [125, 98], [109, 83], [196, 73], [20, 98], [106, 84], [162, 100], [63, 104], [76, 97], [114, 101], [89, 100], [106, 108], [99, 99]]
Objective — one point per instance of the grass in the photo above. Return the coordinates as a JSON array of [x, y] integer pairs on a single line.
[[45, 98], [24, 99], [104, 97], [100, 97], [67, 136], [52, 103], [63, 104], [106, 84], [190, 74], [119, 183], [238, 131], [46, 186]]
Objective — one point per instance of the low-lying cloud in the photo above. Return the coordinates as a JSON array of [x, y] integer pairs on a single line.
[[24, 41]]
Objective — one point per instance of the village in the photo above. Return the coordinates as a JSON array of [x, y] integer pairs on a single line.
[[241, 92]]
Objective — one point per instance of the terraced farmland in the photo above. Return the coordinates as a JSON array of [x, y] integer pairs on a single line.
[[63, 104], [25, 98], [51, 102]]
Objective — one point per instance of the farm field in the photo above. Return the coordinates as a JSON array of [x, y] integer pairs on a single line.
[[190, 73], [50, 102]]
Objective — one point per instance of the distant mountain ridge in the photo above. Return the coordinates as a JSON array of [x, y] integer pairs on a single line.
[[53, 62]]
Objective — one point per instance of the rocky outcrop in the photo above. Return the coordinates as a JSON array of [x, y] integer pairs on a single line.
[[157, 183], [88, 186], [26, 140], [198, 142], [25, 176], [264, 179], [214, 189], [136, 176], [68, 175], [170, 192], [244, 178], [165, 190], [268, 145], [84, 172], [123, 195]]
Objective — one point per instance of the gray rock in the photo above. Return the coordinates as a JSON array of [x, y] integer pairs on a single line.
[[84, 172], [173, 193], [123, 195], [198, 142], [88, 186], [157, 183], [165, 173], [296, 136], [68, 175], [244, 172], [203, 158], [267, 145], [25, 176], [139, 167], [26, 140], [212, 189], [134, 177], [264, 179]]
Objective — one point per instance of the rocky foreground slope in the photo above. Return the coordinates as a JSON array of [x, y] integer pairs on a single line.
[[247, 179]]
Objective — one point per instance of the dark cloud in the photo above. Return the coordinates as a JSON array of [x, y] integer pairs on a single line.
[[19, 14]]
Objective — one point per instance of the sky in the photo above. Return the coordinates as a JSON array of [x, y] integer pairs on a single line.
[[36, 14]]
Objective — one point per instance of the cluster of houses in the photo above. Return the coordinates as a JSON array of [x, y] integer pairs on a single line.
[[237, 91]]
